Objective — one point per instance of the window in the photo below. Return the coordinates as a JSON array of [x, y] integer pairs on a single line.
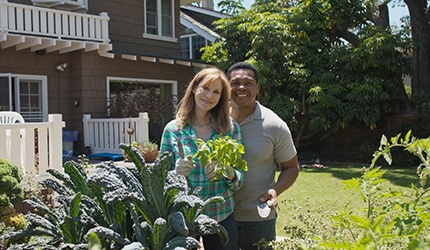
[[151, 17], [191, 45], [26, 95], [198, 42], [128, 97], [166, 18], [159, 20], [185, 47]]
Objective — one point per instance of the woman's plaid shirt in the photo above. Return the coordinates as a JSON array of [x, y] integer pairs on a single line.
[[197, 177]]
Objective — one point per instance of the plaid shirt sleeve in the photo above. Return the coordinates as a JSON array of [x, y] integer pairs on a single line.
[[166, 141]]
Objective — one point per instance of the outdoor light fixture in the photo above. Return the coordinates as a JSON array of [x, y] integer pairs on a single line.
[[76, 102], [61, 67]]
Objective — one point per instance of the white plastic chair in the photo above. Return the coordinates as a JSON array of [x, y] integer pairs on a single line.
[[8, 117]]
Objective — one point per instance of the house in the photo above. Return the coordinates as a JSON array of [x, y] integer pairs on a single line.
[[197, 29], [71, 56]]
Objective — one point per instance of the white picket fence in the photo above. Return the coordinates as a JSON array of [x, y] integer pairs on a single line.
[[104, 135], [34, 145]]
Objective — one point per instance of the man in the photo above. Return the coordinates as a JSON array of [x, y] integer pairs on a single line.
[[268, 145]]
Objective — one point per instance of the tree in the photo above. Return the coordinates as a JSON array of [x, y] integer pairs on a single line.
[[420, 24], [323, 64]]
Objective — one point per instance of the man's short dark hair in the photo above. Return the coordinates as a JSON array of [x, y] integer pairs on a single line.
[[243, 65]]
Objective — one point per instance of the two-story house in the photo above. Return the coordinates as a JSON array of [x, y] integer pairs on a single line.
[[71, 56]]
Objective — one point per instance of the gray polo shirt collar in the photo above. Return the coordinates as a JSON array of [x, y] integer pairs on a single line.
[[256, 115]]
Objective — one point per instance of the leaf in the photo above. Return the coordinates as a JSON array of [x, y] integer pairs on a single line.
[[77, 178], [182, 242], [407, 137], [387, 157], [69, 227], [74, 207], [383, 140], [106, 233], [134, 155], [94, 242], [177, 222], [154, 189], [160, 230]]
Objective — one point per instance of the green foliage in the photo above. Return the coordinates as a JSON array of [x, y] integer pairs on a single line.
[[223, 151], [388, 219], [416, 146], [322, 64], [143, 206], [231, 7], [10, 184]]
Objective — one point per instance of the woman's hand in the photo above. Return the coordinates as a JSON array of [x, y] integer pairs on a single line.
[[215, 170], [183, 166]]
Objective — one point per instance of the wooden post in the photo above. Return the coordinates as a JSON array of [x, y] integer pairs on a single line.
[[56, 141], [85, 120], [142, 130]]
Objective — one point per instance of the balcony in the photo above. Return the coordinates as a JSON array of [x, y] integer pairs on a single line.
[[26, 26], [69, 5]]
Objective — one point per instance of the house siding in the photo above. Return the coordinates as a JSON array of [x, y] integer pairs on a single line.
[[126, 28], [86, 74]]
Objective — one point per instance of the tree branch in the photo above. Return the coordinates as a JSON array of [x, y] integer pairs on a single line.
[[351, 38]]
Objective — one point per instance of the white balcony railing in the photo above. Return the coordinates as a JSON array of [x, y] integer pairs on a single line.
[[70, 5], [58, 24]]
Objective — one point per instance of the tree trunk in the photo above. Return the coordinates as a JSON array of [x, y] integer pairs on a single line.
[[418, 12]]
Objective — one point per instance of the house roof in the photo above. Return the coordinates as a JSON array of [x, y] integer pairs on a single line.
[[162, 59], [200, 20]]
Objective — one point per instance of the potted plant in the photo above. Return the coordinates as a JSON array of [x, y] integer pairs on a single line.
[[148, 149]]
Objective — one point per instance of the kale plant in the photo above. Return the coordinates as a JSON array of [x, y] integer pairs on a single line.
[[142, 206]]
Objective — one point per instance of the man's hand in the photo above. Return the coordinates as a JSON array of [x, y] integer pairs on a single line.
[[271, 197], [183, 166]]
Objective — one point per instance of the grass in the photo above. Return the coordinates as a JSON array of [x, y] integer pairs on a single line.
[[323, 188]]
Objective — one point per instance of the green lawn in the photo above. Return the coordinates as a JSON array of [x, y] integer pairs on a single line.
[[318, 190]]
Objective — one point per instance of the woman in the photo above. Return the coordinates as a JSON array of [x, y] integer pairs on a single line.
[[203, 113]]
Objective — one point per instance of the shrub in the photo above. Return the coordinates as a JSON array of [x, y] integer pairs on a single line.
[[10, 184], [10, 193]]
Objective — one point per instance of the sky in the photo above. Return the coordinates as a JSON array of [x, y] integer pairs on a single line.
[[395, 13]]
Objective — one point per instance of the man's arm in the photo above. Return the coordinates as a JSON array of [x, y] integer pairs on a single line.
[[289, 172]]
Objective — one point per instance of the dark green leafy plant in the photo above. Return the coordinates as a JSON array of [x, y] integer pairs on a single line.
[[222, 151], [143, 206], [164, 211], [65, 225]]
